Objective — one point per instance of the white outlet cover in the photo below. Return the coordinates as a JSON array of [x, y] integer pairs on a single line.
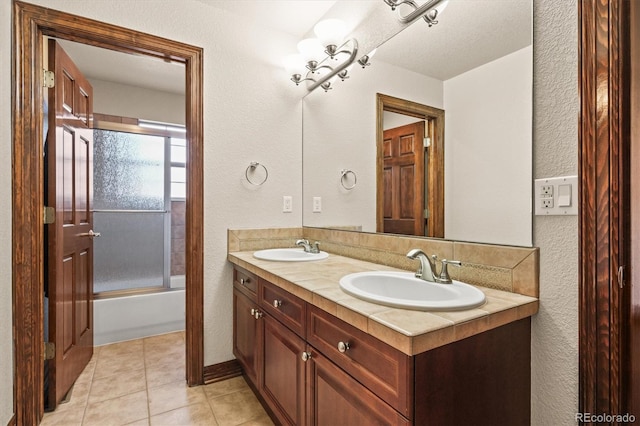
[[569, 183]]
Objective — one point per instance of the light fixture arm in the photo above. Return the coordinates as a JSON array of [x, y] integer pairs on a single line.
[[418, 10], [339, 68]]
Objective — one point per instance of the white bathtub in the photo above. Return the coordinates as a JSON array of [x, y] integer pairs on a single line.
[[132, 317]]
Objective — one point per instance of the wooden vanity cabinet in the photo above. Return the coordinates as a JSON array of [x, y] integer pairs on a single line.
[[311, 368], [336, 398], [247, 330]]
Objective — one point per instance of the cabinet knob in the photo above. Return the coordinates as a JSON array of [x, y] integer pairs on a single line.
[[257, 314], [343, 346], [306, 356], [277, 303], [244, 281]]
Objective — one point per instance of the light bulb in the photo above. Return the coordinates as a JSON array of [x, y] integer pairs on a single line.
[[330, 32]]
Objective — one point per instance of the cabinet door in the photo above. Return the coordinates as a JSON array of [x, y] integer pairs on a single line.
[[246, 335], [335, 398], [283, 383]]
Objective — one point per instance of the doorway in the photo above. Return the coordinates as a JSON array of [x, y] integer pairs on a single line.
[[430, 171], [31, 23]]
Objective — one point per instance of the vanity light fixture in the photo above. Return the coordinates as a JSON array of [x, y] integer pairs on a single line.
[[364, 61], [323, 58], [429, 9]]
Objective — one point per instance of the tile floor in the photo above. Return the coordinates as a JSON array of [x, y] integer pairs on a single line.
[[141, 382]]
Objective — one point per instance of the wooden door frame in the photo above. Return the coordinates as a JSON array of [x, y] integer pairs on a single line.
[[603, 161], [30, 24], [435, 178]]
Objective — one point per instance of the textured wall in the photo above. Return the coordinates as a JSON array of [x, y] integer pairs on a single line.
[[6, 345], [556, 109]]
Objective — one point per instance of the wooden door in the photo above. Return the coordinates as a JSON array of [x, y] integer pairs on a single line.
[[338, 399], [283, 379], [70, 244], [403, 171], [246, 335]]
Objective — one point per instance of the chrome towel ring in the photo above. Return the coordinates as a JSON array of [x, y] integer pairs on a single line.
[[344, 177], [251, 169]]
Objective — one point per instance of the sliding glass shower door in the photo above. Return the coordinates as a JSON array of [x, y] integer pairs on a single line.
[[132, 207]]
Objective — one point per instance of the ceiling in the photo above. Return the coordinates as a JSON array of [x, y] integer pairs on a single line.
[[477, 30]]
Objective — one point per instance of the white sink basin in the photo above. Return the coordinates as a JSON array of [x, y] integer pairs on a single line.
[[289, 255], [404, 290]]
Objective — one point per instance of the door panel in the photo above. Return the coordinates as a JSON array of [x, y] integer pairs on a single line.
[[69, 248], [404, 180]]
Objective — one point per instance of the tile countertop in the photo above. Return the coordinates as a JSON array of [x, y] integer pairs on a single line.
[[412, 332]]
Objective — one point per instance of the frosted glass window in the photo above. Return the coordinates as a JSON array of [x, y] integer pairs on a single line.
[[128, 171], [130, 251], [178, 170]]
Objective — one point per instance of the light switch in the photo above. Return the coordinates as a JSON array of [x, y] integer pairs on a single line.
[[564, 195]]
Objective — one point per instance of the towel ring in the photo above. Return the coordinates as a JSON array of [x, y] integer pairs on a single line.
[[252, 167], [344, 176]]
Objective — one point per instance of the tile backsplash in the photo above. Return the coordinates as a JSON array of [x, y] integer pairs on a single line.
[[506, 268]]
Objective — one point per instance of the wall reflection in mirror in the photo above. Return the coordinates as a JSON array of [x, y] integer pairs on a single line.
[[476, 67]]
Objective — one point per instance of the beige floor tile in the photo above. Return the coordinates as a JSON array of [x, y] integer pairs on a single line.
[[159, 356], [64, 417], [79, 397], [192, 415], [174, 395], [236, 408], [225, 387], [119, 364], [259, 421], [164, 374], [117, 385], [120, 348], [118, 411], [143, 422]]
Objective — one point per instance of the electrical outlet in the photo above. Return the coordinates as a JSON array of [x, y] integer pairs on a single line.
[[317, 204], [287, 204], [556, 196]]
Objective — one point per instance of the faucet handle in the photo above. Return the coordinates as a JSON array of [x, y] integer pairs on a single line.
[[315, 248], [444, 271]]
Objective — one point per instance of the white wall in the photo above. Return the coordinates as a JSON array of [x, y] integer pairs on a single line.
[[487, 137], [6, 336], [554, 345], [137, 102]]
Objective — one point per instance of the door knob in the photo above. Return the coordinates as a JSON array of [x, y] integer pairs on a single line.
[[89, 234]]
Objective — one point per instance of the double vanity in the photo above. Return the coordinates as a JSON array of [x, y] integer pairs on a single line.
[[316, 349]]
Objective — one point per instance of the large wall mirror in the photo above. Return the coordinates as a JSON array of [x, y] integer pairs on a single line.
[[469, 177]]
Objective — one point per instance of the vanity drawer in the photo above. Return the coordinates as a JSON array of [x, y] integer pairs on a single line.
[[245, 282], [383, 369], [283, 306]]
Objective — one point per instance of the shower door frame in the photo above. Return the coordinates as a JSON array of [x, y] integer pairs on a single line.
[[30, 24]]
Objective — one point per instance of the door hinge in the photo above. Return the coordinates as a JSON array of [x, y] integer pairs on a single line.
[[426, 142], [49, 350], [426, 213], [621, 276], [48, 79], [49, 215]]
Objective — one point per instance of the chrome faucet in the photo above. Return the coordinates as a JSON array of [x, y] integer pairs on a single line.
[[427, 269], [309, 248]]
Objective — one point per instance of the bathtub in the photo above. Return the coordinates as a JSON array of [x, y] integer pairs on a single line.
[[133, 317]]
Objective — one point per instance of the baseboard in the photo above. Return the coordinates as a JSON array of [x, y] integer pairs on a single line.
[[222, 371]]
